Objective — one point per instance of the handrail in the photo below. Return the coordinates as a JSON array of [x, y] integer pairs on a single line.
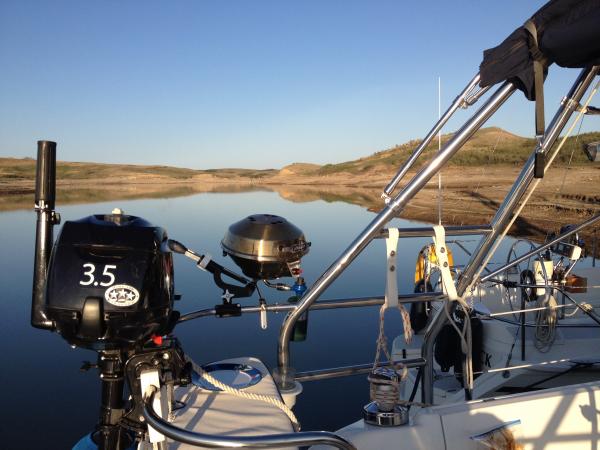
[[560, 289], [264, 441], [323, 304], [463, 230], [534, 325]]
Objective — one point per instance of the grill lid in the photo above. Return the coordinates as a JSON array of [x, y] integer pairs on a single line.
[[265, 240], [265, 237]]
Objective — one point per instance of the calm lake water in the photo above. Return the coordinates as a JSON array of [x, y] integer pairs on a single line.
[[48, 403]]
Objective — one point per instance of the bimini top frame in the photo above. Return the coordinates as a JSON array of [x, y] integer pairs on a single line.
[[562, 31], [394, 206]]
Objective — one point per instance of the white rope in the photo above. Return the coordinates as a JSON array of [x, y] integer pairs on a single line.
[[381, 340], [545, 321], [568, 167], [248, 395], [385, 392], [391, 301], [541, 308]]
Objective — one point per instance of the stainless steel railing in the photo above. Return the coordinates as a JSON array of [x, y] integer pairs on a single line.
[[214, 441], [323, 304]]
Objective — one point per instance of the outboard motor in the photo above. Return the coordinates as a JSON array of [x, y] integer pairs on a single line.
[[110, 288], [107, 285], [110, 282]]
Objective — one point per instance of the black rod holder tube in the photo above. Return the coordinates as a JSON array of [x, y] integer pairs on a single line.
[[109, 434], [523, 328], [45, 195]]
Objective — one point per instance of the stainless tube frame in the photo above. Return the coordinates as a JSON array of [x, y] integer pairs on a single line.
[[460, 101], [214, 441], [390, 211], [502, 218], [504, 213]]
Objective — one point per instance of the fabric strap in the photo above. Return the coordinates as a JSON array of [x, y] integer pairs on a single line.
[[391, 286], [391, 296], [441, 252], [538, 75]]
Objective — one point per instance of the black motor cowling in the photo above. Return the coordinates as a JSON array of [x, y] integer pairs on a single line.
[[110, 282]]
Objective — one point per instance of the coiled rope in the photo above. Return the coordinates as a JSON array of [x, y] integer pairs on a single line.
[[248, 395], [545, 324]]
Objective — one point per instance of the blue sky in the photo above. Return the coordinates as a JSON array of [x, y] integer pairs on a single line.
[[254, 84]]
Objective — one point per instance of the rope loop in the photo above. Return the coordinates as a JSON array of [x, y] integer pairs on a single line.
[[248, 395]]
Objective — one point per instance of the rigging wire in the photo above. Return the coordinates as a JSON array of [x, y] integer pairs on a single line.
[[483, 171], [439, 149], [568, 167]]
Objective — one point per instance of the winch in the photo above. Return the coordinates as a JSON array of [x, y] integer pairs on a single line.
[[266, 246], [110, 282]]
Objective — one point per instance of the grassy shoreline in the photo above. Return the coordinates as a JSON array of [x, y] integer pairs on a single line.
[[469, 196], [474, 184]]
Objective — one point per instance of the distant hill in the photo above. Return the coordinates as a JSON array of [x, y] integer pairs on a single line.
[[13, 169], [488, 146]]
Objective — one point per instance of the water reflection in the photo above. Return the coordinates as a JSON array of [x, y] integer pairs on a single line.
[[460, 206], [50, 395]]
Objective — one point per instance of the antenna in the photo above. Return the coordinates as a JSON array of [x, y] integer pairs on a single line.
[[439, 148]]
